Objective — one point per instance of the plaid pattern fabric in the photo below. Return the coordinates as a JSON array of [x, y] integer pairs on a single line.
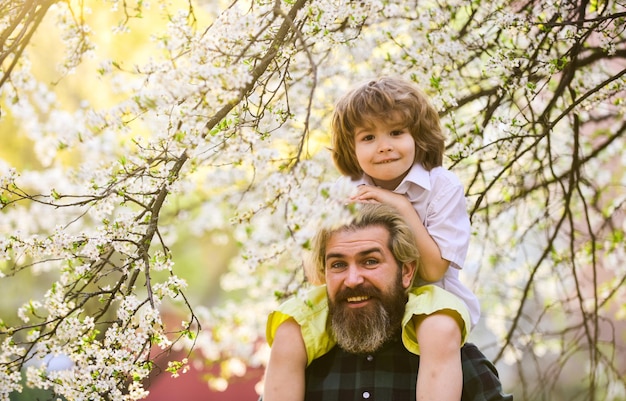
[[390, 374], [480, 377]]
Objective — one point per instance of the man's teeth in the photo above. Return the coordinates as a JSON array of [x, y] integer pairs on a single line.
[[358, 299]]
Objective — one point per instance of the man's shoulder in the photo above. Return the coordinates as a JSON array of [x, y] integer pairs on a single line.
[[481, 381]]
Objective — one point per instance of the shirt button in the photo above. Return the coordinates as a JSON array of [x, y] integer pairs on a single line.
[[366, 395], [370, 358]]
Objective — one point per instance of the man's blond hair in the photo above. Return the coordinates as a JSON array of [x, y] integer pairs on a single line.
[[402, 242]]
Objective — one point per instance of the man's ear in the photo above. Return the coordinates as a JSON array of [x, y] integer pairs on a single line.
[[408, 273]]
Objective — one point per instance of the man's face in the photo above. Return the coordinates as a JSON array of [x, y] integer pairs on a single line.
[[366, 288]]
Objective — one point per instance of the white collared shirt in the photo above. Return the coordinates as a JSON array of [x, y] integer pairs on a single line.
[[438, 198]]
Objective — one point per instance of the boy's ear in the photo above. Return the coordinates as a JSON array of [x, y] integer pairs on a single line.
[[408, 273]]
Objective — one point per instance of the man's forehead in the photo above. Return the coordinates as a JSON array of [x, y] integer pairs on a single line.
[[353, 241]]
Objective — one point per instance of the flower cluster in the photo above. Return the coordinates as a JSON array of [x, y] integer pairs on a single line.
[[216, 125]]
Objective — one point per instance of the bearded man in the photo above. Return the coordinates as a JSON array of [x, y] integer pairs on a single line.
[[368, 267]]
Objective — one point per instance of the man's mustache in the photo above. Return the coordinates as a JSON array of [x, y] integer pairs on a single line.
[[359, 291]]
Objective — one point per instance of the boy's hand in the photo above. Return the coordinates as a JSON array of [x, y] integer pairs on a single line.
[[371, 194]]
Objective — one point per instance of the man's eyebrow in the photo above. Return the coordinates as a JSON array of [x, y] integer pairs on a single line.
[[361, 254]]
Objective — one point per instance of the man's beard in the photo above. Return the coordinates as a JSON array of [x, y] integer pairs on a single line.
[[366, 329]]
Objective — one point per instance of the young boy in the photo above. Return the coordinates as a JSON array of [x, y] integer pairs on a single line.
[[387, 139]]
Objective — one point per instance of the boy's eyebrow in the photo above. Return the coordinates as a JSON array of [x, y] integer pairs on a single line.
[[391, 125]]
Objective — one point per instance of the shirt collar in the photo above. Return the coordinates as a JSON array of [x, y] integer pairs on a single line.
[[417, 175], [416, 181]]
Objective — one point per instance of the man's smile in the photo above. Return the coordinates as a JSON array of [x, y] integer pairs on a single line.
[[358, 299]]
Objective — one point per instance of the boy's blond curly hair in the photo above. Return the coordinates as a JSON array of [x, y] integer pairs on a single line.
[[396, 100]]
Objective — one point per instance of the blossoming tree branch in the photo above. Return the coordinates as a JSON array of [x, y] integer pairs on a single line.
[[130, 127]]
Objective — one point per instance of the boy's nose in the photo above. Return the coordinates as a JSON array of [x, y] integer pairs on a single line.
[[384, 146]]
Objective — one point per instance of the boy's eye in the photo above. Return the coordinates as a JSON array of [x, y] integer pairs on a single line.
[[366, 138], [397, 132]]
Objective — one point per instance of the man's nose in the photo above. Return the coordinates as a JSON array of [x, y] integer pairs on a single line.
[[354, 278]]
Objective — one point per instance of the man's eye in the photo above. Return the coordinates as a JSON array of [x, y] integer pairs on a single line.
[[337, 265], [370, 262]]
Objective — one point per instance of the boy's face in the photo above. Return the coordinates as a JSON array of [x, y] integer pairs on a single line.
[[385, 150]]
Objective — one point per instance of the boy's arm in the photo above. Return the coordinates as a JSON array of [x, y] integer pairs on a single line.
[[432, 266], [284, 376]]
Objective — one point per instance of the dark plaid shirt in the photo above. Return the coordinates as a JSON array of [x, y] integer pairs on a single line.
[[390, 374]]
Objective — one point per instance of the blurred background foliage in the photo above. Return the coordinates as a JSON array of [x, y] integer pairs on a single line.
[[557, 328]]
